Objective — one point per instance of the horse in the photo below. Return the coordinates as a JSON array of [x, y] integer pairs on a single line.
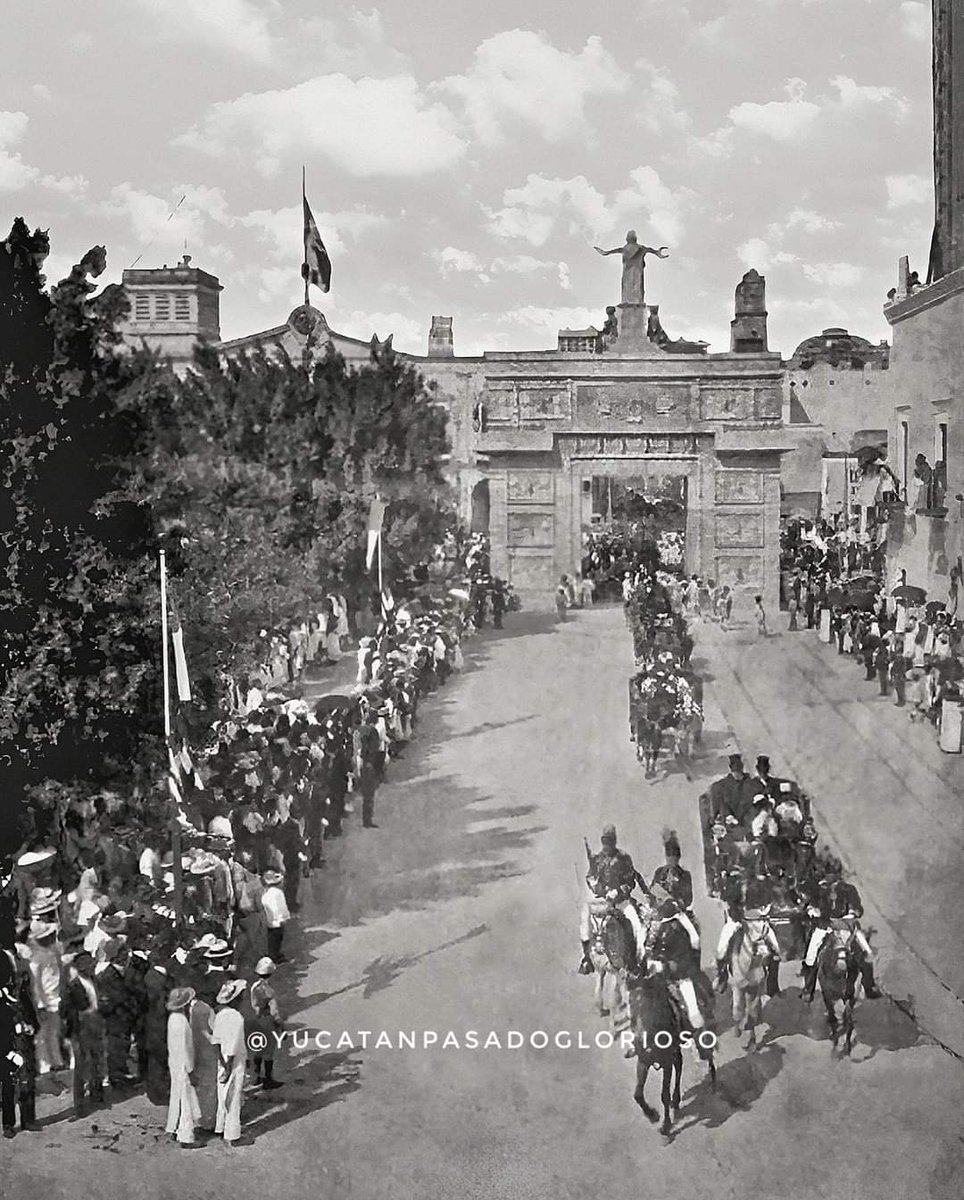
[[609, 944], [747, 951], [838, 969], [669, 951], [649, 741], [652, 1013]]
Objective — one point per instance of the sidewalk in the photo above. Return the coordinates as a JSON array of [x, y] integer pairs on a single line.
[[885, 798]]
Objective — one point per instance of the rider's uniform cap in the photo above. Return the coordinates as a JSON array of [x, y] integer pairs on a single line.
[[736, 760], [609, 831]]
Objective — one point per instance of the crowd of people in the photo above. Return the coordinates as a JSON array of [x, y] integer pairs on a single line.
[[141, 935], [909, 645]]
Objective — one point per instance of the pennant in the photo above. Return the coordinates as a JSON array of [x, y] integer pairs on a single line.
[[388, 600], [376, 515], [180, 662], [316, 268]]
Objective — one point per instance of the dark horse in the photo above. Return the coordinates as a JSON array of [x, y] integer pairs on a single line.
[[838, 969], [652, 1013]]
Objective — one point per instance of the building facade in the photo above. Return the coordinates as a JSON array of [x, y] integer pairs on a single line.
[[539, 436], [926, 433], [836, 403]]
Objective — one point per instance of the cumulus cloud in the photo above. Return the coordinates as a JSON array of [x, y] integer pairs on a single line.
[[42, 92], [908, 189], [282, 229], [834, 275], [782, 120], [355, 45], [548, 321], [857, 96], [408, 334], [760, 255], [365, 126], [660, 109], [798, 117], [543, 207], [239, 26], [149, 215], [451, 260], [915, 20], [74, 186], [519, 76], [14, 172], [809, 221]]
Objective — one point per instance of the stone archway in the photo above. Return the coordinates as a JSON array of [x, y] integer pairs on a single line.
[[479, 520]]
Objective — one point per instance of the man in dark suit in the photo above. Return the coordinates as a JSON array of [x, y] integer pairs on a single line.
[[731, 797]]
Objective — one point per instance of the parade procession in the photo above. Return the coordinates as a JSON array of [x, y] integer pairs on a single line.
[[481, 623]]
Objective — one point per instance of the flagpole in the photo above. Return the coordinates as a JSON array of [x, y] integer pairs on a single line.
[[165, 673], [381, 590], [304, 197]]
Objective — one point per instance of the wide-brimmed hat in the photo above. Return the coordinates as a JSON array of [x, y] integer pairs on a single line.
[[179, 998], [265, 966], [204, 864], [230, 991], [272, 877], [113, 923], [32, 857], [209, 941], [221, 950], [220, 827], [41, 929]]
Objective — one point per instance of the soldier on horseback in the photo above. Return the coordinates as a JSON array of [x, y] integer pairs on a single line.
[[838, 900], [612, 877], [748, 900], [677, 881], [674, 943]]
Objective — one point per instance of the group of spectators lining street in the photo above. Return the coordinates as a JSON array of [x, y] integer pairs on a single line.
[[114, 972], [909, 645]]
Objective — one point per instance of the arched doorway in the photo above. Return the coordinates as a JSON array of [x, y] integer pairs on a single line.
[[480, 507]]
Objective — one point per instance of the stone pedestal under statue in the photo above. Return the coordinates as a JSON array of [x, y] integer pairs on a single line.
[[632, 336]]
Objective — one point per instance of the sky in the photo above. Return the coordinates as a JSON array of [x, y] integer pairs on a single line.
[[463, 158]]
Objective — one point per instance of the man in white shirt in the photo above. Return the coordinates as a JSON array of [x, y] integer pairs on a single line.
[[276, 913], [227, 1035]]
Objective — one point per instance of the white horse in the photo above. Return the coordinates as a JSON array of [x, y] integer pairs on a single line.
[[609, 994], [746, 959]]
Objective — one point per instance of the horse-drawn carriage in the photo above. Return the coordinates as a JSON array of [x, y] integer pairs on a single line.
[[663, 706]]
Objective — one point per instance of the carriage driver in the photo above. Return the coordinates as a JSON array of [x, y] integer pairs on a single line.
[[612, 876], [838, 900]]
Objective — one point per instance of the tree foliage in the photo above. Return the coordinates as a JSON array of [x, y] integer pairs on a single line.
[[79, 646], [256, 473]]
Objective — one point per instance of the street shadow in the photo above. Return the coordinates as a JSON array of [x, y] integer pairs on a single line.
[[382, 972], [488, 726], [739, 1085], [878, 1024], [315, 1083]]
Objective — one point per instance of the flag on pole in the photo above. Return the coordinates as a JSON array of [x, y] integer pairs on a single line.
[[174, 782], [180, 662], [376, 515], [316, 268], [388, 601]]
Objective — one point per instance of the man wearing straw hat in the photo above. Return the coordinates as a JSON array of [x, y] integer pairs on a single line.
[[276, 913], [183, 1110], [228, 1036], [265, 1020]]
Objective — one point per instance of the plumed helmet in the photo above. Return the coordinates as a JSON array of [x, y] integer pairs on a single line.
[[608, 833]]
